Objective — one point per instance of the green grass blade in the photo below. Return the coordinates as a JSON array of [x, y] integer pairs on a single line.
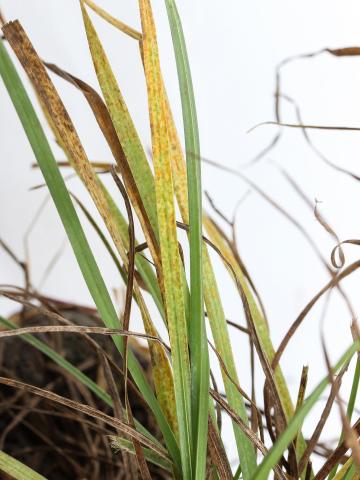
[[294, 425], [75, 233], [222, 341], [197, 331], [259, 321], [16, 469]]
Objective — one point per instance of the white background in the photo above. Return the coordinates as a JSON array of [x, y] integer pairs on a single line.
[[234, 48]]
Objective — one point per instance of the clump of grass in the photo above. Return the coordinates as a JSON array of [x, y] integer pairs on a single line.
[[181, 396]]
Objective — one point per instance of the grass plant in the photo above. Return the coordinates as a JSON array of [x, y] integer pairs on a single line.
[[181, 394]]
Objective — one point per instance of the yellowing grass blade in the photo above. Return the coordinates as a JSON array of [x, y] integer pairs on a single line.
[[178, 163], [171, 265], [122, 122]]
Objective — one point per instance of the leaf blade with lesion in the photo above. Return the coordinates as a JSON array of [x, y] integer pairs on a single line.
[[122, 121], [171, 265]]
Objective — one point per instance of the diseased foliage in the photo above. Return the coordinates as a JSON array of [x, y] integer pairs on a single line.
[[181, 394]]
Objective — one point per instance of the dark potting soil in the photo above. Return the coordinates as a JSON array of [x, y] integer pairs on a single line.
[[55, 441]]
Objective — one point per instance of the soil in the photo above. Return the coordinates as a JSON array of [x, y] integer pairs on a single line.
[[52, 439]]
